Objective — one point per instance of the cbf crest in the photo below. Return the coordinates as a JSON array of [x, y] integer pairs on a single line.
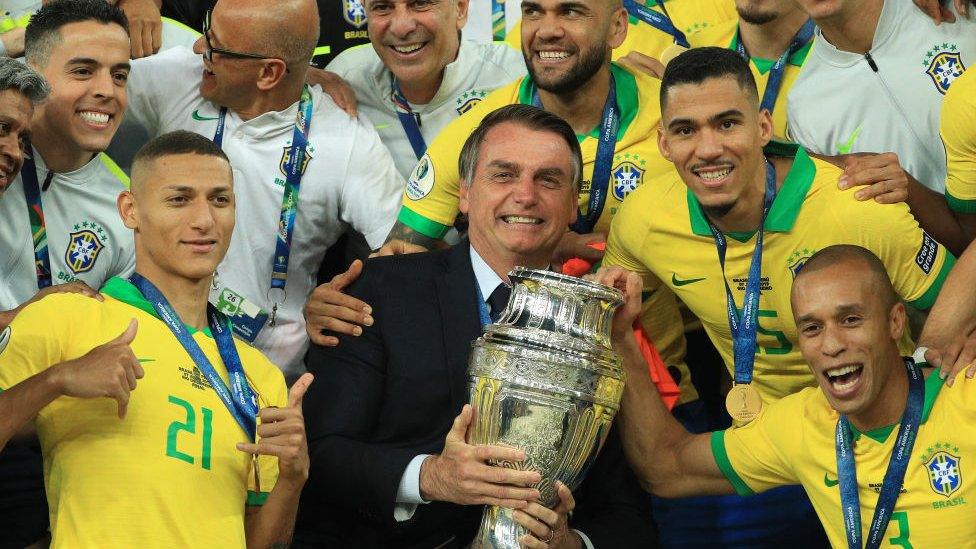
[[354, 13], [942, 465], [83, 248], [943, 64], [467, 100], [798, 259], [628, 174], [286, 160]]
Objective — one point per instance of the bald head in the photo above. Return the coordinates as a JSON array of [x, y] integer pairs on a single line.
[[860, 264], [287, 29]]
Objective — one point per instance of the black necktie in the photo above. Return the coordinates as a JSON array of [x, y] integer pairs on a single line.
[[498, 299]]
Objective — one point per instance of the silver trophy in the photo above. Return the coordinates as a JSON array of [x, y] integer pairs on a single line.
[[544, 379]]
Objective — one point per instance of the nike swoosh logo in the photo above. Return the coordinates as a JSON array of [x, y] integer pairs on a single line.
[[830, 483], [846, 147], [196, 116], [678, 282], [145, 360]]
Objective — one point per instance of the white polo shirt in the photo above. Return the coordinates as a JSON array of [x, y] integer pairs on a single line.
[[840, 104], [349, 180], [85, 236], [478, 70]]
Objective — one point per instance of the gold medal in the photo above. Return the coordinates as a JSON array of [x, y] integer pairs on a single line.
[[743, 403]]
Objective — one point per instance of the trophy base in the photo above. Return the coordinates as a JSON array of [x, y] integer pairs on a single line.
[[498, 530]]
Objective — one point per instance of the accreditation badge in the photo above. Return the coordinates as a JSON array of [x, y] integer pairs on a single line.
[[248, 319]]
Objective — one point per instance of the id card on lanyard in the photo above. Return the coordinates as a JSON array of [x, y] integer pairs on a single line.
[[294, 169], [775, 80], [35, 213], [743, 401], [660, 21], [894, 474], [600, 182]]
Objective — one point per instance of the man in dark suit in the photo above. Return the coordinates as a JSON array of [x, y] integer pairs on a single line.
[[388, 466]]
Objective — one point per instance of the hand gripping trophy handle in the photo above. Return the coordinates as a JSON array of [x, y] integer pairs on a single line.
[[544, 379]]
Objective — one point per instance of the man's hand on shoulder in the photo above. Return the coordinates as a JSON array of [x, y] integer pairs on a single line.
[[109, 370], [462, 473], [281, 433], [957, 357], [328, 308], [338, 89], [74, 287], [881, 175], [939, 12]]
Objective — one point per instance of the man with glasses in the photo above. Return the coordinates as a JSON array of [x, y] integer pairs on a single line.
[[305, 170]]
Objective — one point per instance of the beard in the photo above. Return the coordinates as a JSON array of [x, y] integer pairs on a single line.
[[590, 62], [756, 16]]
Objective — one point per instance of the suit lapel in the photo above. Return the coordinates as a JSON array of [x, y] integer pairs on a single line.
[[457, 299]]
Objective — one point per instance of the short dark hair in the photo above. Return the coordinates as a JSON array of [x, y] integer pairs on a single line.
[[178, 142], [699, 64], [530, 117], [44, 29], [831, 255]]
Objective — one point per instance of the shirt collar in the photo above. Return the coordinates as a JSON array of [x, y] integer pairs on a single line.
[[486, 278], [786, 206], [124, 291]]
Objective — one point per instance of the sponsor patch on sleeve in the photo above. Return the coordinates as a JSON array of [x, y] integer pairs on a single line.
[[925, 258], [421, 180]]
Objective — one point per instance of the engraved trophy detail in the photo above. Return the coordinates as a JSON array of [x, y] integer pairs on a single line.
[[544, 379]]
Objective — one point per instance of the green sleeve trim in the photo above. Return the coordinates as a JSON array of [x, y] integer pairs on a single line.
[[928, 298], [114, 168], [960, 205], [183, 26], [421, 224], [724, 465], [256, 498]]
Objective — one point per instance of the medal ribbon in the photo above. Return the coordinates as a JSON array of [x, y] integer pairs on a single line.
[[409, 121], [293, 179], [239, 398], [775, 80], [600, 183], [660, 21], [497, 20], [894, 475], [744, 327], [35, 213]]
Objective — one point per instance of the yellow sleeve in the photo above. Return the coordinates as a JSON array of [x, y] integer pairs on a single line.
[[271, 391], [958, 130], [36, 339], [430, 200], [750, 457], [916, 262]]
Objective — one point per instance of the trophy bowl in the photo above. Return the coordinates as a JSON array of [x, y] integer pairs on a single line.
[[544, 379]]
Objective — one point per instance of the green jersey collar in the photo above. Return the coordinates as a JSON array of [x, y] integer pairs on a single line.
[[123, 290], [933, 384], [764, 65], [626, 99], [789, 199]]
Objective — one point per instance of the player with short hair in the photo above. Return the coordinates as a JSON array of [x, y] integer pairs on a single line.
[[182, 432], [21, 90], [879, 449]]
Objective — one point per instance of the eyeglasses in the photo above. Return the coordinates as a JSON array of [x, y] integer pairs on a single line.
[[208, 53]]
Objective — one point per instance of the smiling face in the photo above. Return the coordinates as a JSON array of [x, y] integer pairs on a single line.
[[87, 71], [848, 333], [416, 39], [521, 199], [15, 116], [182, 210], [566, 42], [714, 133]]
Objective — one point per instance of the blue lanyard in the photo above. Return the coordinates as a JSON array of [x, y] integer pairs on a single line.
[[293, 169], [409, 121], [775, 80], [35, 213], [660, 21], [600, 182], [242, 405], [895, 474], [744, 327]]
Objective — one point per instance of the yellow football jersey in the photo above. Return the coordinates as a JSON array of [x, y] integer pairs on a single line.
[[430, 200], [688, 16], [792, 442], [726, 35], [661, 233], [168, 475], [959, 136]]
